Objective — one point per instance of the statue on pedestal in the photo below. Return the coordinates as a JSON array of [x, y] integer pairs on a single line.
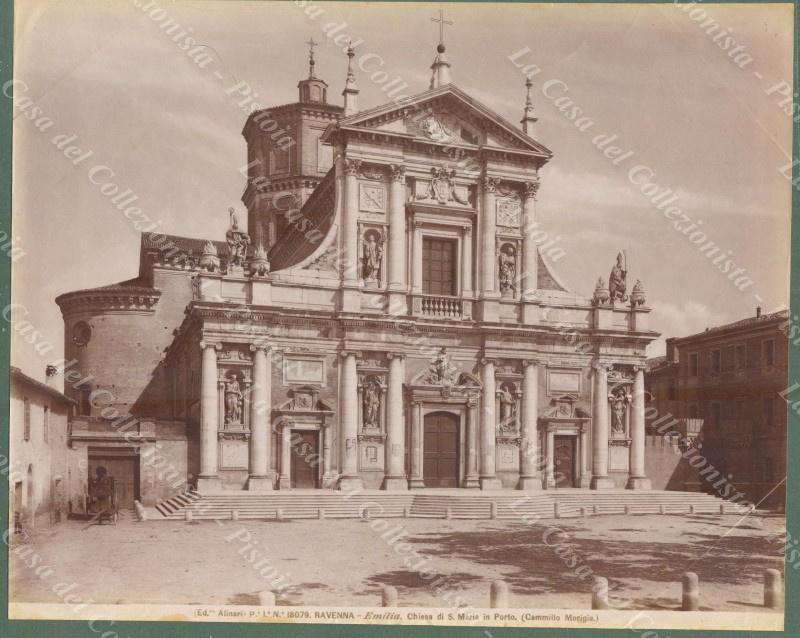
[[372, 257], [616, 280], [618, 399], [508, 270], [233, 402], [372, 405], [238, 241]]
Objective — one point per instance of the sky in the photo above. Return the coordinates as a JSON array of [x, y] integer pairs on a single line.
[[691, 114]]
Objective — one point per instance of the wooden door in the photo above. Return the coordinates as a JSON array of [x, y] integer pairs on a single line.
[[438, 266], [440, 463], [124, 471], [564, 461], [305, 459]]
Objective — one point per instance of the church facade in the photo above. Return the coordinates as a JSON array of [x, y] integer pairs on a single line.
[[387, 320]]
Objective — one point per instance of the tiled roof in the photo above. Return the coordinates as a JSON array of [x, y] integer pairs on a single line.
[[741, 323], [20, 376]]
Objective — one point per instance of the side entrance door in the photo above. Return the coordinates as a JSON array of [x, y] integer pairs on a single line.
[[305, 459], [125, 471], [564, 460], [440, 462]]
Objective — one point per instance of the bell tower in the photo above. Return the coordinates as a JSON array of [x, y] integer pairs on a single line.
[[285, 159]]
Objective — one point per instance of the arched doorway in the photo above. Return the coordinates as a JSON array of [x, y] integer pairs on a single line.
[[441, 445]]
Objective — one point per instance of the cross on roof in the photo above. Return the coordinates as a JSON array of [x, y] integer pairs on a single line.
[[311, 44], [441, 22]]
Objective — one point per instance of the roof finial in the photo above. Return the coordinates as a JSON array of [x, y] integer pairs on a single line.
[[528, 117], [350, 92], [440, 66], [311, 44]]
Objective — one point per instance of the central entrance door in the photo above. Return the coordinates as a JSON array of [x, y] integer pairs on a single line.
[[440, 466], [564, 461], [305, 459]]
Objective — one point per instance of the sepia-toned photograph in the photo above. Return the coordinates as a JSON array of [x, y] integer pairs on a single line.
[[382, 313]]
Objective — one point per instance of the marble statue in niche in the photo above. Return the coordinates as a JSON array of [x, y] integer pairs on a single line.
[[507, 261], [618, 399], [372, 257], [372, 404], [233, 401], [508, 409]]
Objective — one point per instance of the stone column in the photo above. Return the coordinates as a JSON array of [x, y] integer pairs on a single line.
[[328, 478], [600, 479], [208, 480], [488, 479], [397, 241], [466, 262], [351, 300], [416, 256], [416, 479], [638, 479], [348, 423], [550, 477], [471, 474], [285, 480], [529, 473], [395, 478], [530, 254], [586, 475], [489, 305], [260, 420]]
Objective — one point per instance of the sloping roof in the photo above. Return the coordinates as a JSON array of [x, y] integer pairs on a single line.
[[135, 287], [753, 321], [458, 94], [21, 377]]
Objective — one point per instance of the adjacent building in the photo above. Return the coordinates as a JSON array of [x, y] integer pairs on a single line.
[[728, 387], [388, 319], [47, 480]]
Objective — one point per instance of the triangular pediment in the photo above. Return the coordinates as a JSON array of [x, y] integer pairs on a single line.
[[446, 115]]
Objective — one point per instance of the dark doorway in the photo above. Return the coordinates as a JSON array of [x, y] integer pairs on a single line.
[[564, 461], [125, 472], [438, 266], [305, 459], [440, 465]]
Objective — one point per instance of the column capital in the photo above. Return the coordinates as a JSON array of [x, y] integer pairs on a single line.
[[489, 183], [398, 173], [531, 362], [467, 228], [347, 353], [352, 166], [210, 344], [531, 188], [266, 347], [396, 355], [488, 360], [601, 364], [639, 367]]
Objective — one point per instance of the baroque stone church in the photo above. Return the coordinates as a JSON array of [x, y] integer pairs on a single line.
[[387, 319]]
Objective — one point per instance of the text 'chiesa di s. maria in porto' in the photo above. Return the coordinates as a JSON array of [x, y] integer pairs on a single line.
[[387, 320]]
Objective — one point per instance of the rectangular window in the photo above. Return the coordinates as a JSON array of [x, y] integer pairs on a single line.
[[694, 364], [769, 411], [741, 357], [716, 361], [26, 422], [727, 358], [716, 414], [768, 352], [46, 423], [438, 266]]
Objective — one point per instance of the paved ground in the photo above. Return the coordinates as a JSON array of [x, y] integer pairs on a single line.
[[345, 562]]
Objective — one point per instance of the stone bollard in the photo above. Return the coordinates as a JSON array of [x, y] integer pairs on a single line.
[[141, 513], [627, 509], [691, 592], [320, 513], [498, 595], [234, 515], [188, 515], [722, 508], [599, 593], [266, 598], [595, 509], [556, 510], [773, 589], [493, 511], [662, 509], [583, 511], [448, 513], [279, 514], [691, 509], [406, 512], [389, 596]]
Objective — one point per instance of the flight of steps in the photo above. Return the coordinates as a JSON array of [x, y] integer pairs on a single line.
[[429, 504]]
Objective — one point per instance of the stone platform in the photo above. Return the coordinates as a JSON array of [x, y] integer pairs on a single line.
[[435, 503]]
